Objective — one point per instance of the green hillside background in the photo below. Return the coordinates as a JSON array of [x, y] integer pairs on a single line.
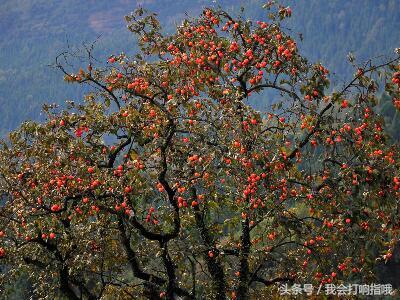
[[34, 32]]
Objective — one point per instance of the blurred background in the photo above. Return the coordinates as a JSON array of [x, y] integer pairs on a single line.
[[33, 32]]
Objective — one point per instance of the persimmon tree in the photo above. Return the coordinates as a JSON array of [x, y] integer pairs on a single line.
[[164, 182]]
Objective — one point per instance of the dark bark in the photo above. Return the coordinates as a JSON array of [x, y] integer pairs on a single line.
[[153, 283], [213, 263], [170, 268], [243, 288], [133, 261], [112, 157], [65, 287]]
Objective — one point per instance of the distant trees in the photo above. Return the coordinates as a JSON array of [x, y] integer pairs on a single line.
[[164, 182], [390, 115]]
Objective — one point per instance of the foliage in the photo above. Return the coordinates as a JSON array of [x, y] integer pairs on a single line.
[[33, 32], [164, 182]]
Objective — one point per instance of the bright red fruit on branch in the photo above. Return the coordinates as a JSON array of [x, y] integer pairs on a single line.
[[55, 207], [166, 183]]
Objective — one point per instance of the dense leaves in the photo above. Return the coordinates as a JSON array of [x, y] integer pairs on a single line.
[[34, 32], [166, 182]]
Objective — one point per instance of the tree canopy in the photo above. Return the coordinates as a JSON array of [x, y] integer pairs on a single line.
[[165, 182]]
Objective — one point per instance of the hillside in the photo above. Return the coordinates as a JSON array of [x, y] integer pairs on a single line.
[[34, 32]]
